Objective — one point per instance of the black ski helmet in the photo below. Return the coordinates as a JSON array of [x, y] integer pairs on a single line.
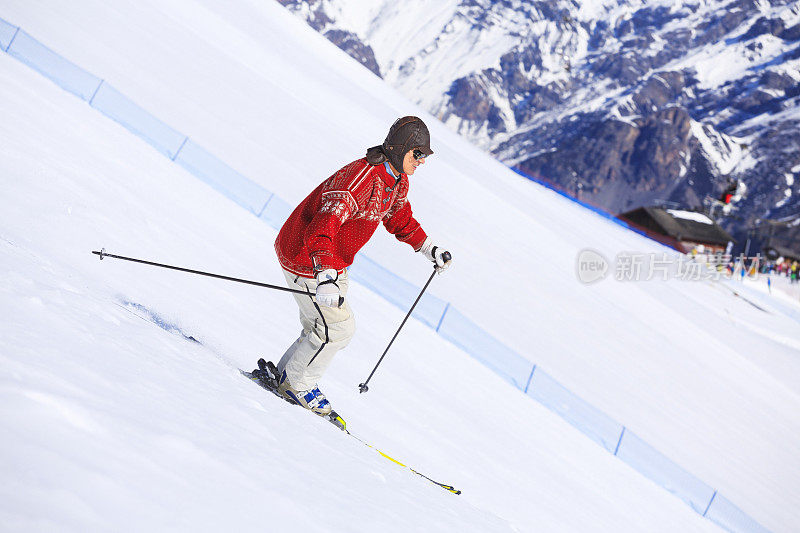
[[407, 133]]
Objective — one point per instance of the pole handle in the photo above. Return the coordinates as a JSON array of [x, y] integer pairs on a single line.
[[446, 258]]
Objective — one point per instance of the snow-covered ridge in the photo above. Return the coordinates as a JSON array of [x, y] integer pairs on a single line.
[[722, 151]]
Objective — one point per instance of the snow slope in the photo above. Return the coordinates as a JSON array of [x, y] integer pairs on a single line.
[[112, 423], [695, 371]]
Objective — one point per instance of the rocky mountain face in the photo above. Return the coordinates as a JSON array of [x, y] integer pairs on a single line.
[[314, 13], [620, 103]]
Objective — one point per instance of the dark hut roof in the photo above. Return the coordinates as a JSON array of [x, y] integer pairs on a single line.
[[679, 224]]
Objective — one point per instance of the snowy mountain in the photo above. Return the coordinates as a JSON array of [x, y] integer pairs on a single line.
[[620, 103], [123, 407]]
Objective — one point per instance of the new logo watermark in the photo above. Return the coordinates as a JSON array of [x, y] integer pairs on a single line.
[[591, 266]]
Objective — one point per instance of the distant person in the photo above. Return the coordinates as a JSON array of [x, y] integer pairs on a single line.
[[729, 192], [793, 272], [318, 242]]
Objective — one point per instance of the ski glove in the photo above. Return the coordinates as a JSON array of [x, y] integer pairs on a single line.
[[328, 293], [439, 256]]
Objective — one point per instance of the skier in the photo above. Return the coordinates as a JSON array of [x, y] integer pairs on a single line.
[[318, 242], [730, 191]]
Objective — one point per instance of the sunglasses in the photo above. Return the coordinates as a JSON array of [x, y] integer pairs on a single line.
[[418, 155]]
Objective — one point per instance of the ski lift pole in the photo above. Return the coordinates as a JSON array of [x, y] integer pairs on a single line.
[[362, 387]]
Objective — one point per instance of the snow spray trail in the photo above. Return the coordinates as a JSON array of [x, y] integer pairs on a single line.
[[151, 316]]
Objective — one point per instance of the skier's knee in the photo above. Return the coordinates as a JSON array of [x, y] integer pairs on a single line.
[[341, 332]]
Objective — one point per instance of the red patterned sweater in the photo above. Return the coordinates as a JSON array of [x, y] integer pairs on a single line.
[[337, 219]]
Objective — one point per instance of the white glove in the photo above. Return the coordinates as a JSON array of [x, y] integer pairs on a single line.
[[328, 293], [439, 256]]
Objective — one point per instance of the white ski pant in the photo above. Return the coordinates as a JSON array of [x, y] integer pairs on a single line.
[[326, 330]]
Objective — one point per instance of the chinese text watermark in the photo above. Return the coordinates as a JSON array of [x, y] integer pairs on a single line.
[[592, 266]]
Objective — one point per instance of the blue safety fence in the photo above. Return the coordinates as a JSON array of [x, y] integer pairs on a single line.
[[120, 108], [223, 178], [654, 465], [471, 338], [725, 514], [592, 422], [66, 75], [275, 212], [7, 33], [430, 310], [436, 313]]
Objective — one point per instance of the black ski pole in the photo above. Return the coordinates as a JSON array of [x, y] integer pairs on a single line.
[[362, 387], [102, 253]]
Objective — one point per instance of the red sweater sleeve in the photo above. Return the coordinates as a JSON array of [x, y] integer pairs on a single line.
[[401, 223], [335, 209]]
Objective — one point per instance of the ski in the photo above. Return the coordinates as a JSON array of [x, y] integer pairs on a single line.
[[448, 488], [265, 375]]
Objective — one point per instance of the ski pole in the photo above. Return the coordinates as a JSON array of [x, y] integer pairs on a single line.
[[102, 253], [362, 387]]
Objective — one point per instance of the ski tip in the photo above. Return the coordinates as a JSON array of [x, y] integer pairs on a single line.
[[250, 375]]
